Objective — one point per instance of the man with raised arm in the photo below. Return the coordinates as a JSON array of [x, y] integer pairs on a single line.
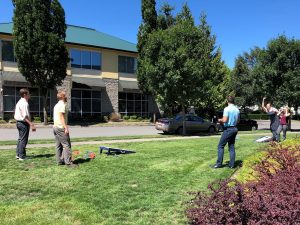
[[274, 119]]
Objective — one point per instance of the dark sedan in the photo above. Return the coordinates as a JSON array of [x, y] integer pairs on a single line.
[[245, 122]]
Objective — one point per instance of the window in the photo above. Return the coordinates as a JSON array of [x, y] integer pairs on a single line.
[[8, 51], [127, 64], [11, 97], [85, 59], [75, 58], [133, 104], [85, 102]]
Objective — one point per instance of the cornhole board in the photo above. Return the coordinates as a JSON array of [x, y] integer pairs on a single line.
[[264, 139], [113, 151]]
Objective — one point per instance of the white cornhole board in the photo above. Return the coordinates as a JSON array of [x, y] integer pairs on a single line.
[[264, 139]]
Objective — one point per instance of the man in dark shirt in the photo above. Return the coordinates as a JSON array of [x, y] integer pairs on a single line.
[[274, 119]]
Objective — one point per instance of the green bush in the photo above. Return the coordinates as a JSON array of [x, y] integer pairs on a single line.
[[12, 121], [134, 117], [140, 118], [126, 117], [258, 116], [37, 119], [2, 121]]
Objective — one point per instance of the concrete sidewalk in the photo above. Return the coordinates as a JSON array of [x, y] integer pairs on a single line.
[[8, 147]]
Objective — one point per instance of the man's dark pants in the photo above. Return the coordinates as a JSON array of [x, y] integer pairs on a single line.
[[228, 136], [23, 129]]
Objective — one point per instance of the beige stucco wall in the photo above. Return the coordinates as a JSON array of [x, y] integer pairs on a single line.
[[109, 63]]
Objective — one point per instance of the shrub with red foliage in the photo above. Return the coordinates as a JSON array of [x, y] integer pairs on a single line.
[[274, 199]]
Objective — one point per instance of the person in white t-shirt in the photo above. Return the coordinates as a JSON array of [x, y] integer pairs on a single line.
[[22, 117], [61, 131]]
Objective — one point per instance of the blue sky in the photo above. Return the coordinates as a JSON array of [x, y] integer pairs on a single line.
[[238, 24]]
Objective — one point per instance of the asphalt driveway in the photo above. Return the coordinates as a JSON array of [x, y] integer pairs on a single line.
[[96, 131]]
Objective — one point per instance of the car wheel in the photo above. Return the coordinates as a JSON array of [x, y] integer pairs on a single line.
[[166, 132], [254, 128], [180, 131], [211, 130]]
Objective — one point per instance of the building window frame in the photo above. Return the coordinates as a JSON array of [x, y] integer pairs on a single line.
[[128, 66], [132, 100], [91, 55], [1, 49], [16, 96], [82, 98]]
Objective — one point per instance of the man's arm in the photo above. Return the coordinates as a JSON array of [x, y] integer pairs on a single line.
[[263, 105], [62, 119], [26, 118], [224, 119]]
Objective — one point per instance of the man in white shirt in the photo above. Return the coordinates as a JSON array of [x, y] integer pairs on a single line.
[[61, 131], [22, 116]]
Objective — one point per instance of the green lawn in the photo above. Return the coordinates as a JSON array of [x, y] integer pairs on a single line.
[[107, 138], [149, 187]]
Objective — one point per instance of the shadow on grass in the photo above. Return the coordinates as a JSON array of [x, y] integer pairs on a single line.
[[42, 156], [237, 163], [191, 134], [81, 161]]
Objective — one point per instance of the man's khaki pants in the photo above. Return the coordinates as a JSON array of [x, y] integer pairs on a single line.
[[63, 146]]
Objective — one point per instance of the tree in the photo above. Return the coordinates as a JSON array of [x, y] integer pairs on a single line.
[[39, 44], [280, 65], [179, 62], [245, 85], [149, 24]]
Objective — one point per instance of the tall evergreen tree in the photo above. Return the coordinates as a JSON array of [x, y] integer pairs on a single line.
[[39, 44], [149, 24]]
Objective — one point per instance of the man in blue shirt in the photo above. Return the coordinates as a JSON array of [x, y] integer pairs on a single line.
[[230, 119]]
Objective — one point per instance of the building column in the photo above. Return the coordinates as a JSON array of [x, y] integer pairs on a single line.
[[110, 97], [1, 95]]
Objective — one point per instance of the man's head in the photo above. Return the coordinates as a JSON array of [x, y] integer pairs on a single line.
[[269, 106], [61, 95], [24, 93], [230, 99]]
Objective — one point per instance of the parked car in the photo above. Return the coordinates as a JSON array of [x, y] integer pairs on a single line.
[[245, 122], [194, 124]]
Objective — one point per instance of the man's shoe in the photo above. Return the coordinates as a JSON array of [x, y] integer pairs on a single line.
[[21, 159], [231, 167], [216, 166], [17, 157]]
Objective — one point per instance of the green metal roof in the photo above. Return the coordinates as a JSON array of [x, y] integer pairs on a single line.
[[86, 36]]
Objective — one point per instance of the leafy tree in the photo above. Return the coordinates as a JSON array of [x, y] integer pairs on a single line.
[[180, 62], [245, 84], [39, 44], [280, 66], [149, 24]]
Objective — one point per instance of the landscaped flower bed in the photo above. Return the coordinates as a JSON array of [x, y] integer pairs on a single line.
[[273, 197]]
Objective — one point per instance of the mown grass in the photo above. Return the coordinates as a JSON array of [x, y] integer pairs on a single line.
[[87, 139], [151, 186], [107, 138]]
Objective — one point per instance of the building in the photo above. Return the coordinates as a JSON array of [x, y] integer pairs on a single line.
[[101, 76]]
